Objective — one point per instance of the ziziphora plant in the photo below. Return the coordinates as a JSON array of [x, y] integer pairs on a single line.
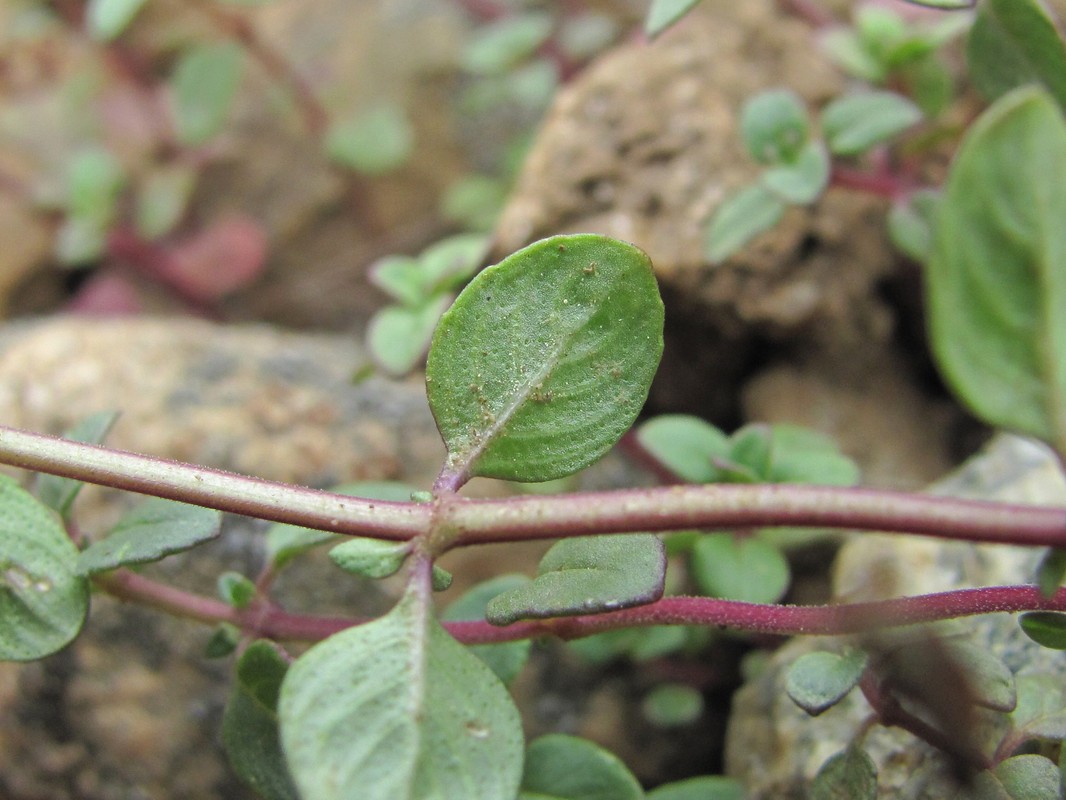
[[540, 366]]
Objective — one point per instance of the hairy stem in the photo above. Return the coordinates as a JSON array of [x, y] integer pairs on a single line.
[[472, 522]]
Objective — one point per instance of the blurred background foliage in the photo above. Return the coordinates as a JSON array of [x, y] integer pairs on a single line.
[[250, 160]]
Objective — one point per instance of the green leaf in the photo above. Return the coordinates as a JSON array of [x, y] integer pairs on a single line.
[[59, 493], [401, 278], [474, 201], [1024, 777], [1052, 570], [587, 575], [94, 181], [285, 542], [561, 767], [505, 659], [203, 87], [671, 705], [855, 123], [80, 241], [733, 568], [996, 284], [1013, 43], [373, 142], [163, 197], [664, 13], [1041, 709], [398, 336], [990, 681], [818, 681], [1029, 777], [224, 640], [398, 710], [499, 46], [236, 589], [685, 445], [802, 455], [43, 601], [1046, 628], [774, 126], [154, 529], [803, 180], [705, 787], [844, 47], [371, 558], [850, 775], [451, 261], [740, 218], [250, 723], [911, 223], [545, 359], [106, 19]]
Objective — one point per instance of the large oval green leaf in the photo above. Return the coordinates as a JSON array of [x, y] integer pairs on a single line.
[[546, 358], [996, 281], [398, 710], [43, 602]]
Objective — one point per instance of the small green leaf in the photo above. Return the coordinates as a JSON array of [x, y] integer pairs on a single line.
[[844, 47], [685, 445], [545, 359], [1040, 712], [996, 284], [1051, 571], [250, 723], [774, 126], [803, 180], [398, 710], [1013, 43], [59, 493], [587, 575], [818, 681], [855, 123], [1024, 777], [401, 278], [236, 589], [441, 579], [990, 681], [734, 568], [561, 767], [802, 455], [203, 85], [498, 47], [474, 201], [664, 13], [451, 261], [285, 542], [154, 529], [80, 241], [1046, 628], [94, 181], [670, 705], [224, 640], [740, 218], [106, 19], [705, 787], [505, 659], [162, 199], [373, 142], [371, 558], [850, 775], [911, 223], [43, 601], [398, 336]]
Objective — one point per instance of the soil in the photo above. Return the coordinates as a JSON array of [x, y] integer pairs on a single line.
[[818, 322]]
